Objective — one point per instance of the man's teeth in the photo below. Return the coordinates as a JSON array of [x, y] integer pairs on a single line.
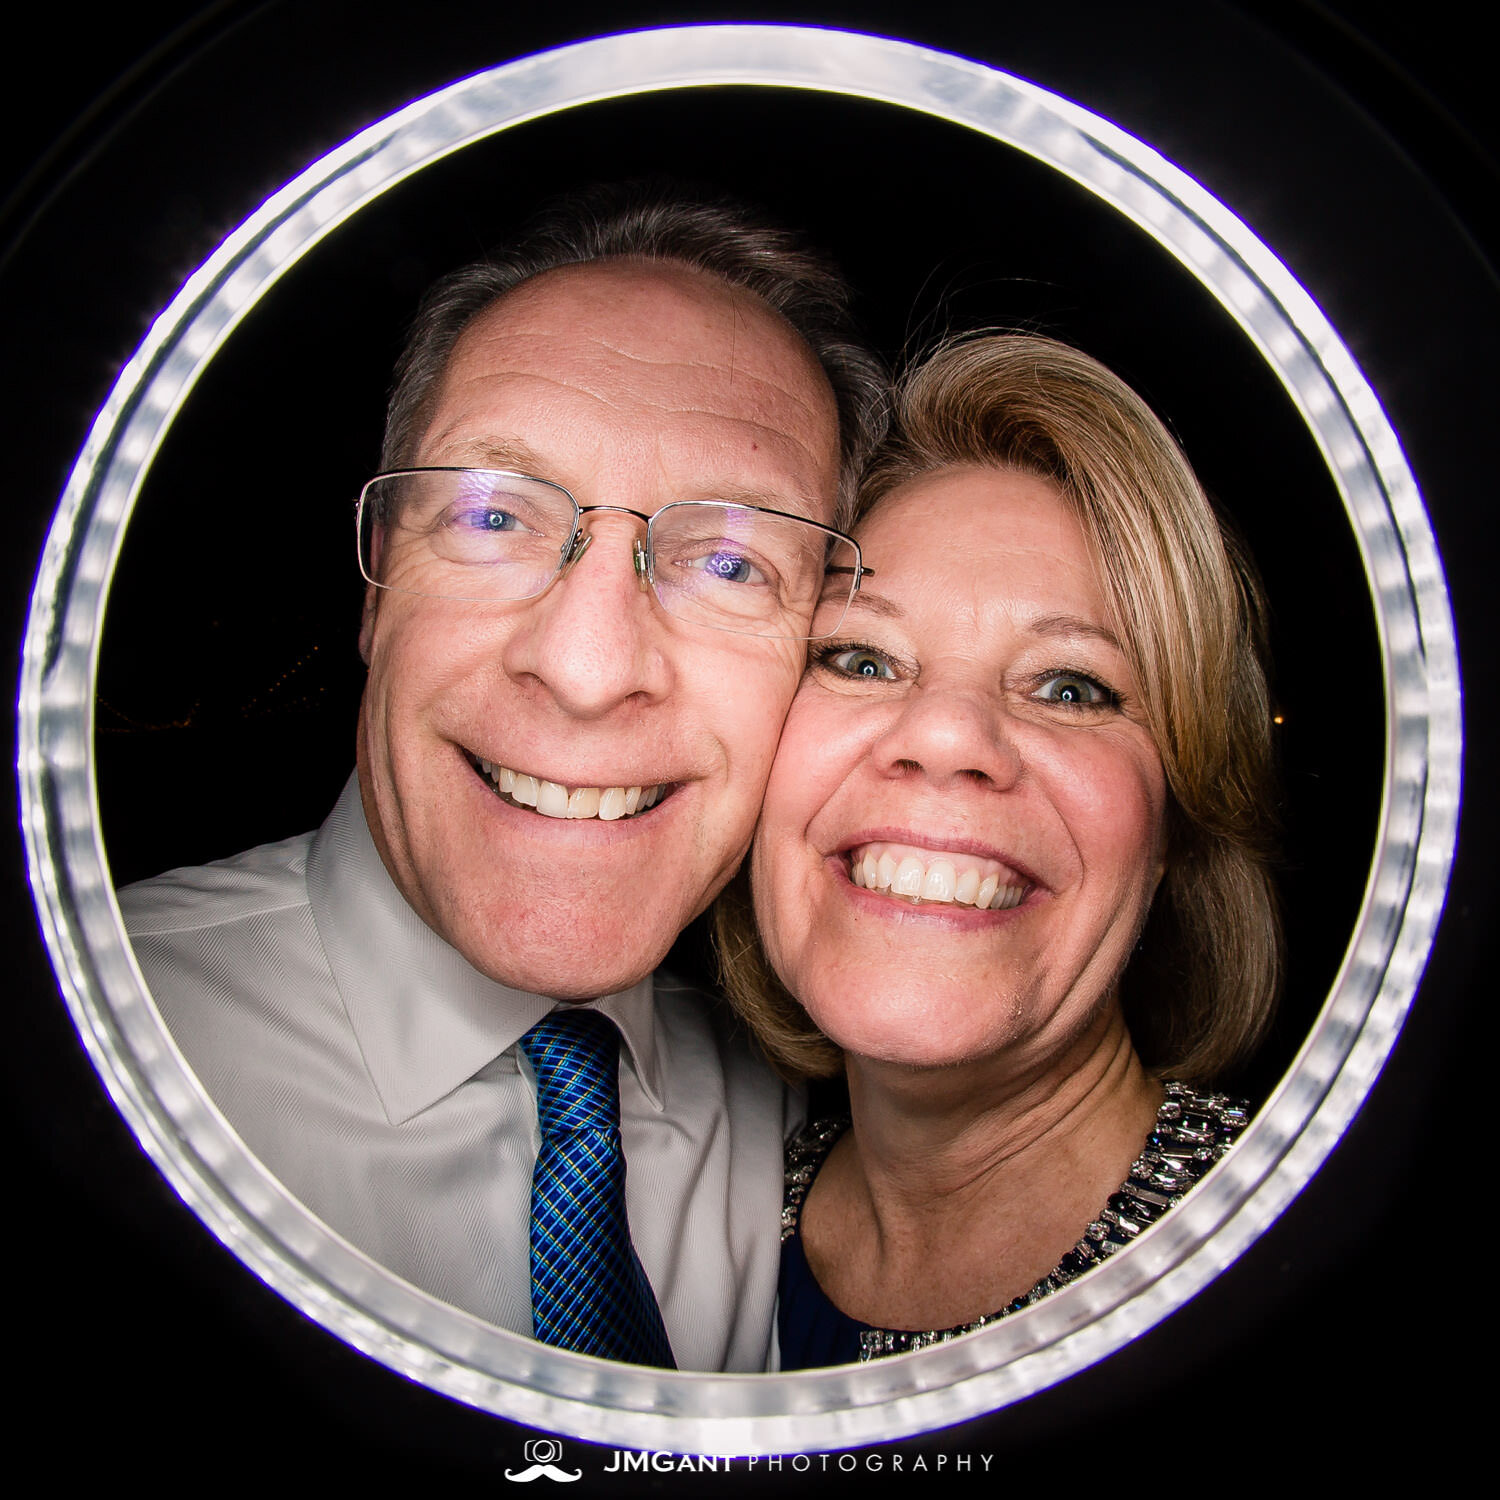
[[553, 800], [957, 879]]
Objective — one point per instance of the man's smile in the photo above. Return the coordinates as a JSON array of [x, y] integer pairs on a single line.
[[554, 800]]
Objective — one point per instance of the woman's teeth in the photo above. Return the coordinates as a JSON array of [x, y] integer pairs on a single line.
[[954, 879], [554, 800]]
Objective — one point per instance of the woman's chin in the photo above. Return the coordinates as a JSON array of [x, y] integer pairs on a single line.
[[902, 1033], [912, 1058]]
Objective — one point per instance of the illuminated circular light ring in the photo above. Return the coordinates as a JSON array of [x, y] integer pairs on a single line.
[[454, 1353]]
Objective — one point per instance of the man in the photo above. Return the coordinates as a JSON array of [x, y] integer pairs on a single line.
[[565, 732]]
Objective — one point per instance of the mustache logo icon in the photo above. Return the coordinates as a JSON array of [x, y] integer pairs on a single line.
[[542, 1454]]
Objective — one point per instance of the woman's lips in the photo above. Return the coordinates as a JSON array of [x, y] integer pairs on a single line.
[[937, 876], [554, 800]]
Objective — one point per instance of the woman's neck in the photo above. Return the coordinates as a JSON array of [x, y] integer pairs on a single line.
[[960, 1188]]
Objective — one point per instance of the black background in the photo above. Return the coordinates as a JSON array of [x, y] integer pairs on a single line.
[[1354, 138]]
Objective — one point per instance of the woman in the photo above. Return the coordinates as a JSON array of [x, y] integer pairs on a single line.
[[1012, 861]]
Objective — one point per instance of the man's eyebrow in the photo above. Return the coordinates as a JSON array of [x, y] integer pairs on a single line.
[[807, 507], [513, 453], [497, 453]]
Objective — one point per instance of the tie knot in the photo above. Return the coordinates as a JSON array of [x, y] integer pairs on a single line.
[[575, 1055]]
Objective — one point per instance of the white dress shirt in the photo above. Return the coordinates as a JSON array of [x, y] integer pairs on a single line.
[[376, 1074]]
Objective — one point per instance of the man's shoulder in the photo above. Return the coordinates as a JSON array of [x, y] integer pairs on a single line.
[[258, 882]]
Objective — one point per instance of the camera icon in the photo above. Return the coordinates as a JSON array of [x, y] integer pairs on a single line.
[[541, 1455]]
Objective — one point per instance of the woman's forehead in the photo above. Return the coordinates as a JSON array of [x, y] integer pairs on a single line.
[[997, 528]]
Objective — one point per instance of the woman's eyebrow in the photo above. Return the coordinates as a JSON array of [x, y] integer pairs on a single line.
[[1053, 625], [875, 604]]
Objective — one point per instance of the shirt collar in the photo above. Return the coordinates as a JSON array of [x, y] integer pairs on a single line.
[[424, 1018]]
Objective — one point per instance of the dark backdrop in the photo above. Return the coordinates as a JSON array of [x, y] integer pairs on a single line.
[[1351, 137]]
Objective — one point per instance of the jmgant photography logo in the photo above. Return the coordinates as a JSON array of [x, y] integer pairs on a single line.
[[541, 1455]]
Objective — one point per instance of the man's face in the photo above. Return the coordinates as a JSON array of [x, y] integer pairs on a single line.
[[633, 386]]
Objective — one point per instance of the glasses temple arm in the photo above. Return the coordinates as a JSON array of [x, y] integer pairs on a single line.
[[860, 574]]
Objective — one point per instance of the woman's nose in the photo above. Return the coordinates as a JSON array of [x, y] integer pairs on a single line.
[[951, 733]]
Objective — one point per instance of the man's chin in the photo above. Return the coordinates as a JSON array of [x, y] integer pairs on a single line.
[[571, 983], [581, 966]]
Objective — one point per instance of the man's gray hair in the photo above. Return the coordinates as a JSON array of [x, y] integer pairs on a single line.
[[715, 236]]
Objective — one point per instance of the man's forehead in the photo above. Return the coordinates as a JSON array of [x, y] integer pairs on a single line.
[[633, 352], [657, 314]]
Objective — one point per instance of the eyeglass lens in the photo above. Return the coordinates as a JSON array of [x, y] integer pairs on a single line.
[[483, 535]]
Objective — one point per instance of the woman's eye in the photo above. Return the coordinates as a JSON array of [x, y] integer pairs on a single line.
[[857, 661], [1076, 688]]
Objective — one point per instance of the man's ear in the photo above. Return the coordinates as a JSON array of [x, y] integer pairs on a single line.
[[372, 596], [367, 622]]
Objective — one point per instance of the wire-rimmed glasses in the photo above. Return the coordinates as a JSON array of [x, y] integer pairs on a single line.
[[493, 535]]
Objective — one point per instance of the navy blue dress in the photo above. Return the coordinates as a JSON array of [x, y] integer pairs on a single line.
[[812, 1330]]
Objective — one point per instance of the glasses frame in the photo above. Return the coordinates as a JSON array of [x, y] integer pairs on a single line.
[[578, 541]]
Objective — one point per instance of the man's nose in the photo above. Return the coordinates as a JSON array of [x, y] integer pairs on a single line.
[[595, 639], [951, 733]]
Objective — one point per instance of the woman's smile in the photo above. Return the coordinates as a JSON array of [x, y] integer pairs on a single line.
[[942, 877]]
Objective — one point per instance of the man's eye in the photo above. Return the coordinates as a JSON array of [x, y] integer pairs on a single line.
[[1076, 688], [725, 567], [484, 518], [856, 661]]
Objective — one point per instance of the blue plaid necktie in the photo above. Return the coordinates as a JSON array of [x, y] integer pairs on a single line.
[[588, 1291]]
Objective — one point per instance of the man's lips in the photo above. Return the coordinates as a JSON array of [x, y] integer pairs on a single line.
[[554, 800], [937, 876]]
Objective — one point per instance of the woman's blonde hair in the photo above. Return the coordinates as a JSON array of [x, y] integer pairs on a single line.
[[1200, 989]]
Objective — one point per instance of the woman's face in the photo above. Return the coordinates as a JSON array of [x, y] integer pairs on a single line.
[[971, 736]]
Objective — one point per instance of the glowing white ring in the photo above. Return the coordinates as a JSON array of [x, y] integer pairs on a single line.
[[374, 1311]]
